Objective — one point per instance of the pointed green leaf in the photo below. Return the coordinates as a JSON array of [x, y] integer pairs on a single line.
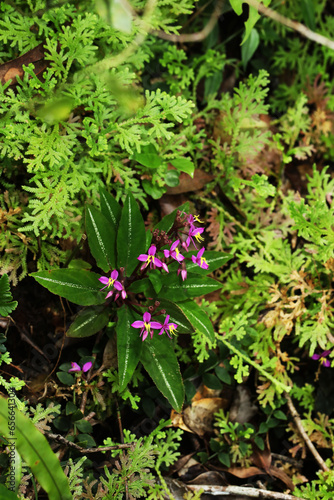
[[160, 361], [214, 259], [36, 452], [77, 285], [167, 222], [184, 165], [176, 316], [7, 494], [193, 286], [129, 345], [88, 322], [7, 305], [131, 235], [198, 318], [101, 239], [196, 285], [173, 288], [110, 209]]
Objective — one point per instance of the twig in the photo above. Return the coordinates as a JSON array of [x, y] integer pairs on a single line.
[[300, 28], [304, 435], [199, 35], [241, 490], [60, 439], [114, 61]]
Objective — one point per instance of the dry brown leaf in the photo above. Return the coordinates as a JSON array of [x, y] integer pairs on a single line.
[[11, 69]]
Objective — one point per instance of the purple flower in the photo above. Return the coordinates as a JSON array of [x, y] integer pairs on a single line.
[[201, 261], [168, 327], [108, 282], [183, 272], [76, 368], [150, 259], [192, 218], [174, 252], [120, 288], [196, 233], [324, 355], [146, 325]]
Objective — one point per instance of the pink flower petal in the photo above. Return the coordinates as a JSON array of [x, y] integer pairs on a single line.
[[138, 324], [75, 368], [114, 275], [155, 325], [104, 280], [200, 253], [152, 250], [146, 317], [142, 257], [118, 285], [87, 366]]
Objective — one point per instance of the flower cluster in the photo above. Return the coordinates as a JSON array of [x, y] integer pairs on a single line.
[[182, 221], [76, 368], [116, 285], [184, 232], [326, 362], [147, 326]]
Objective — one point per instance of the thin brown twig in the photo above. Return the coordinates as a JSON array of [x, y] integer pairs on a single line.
[[241, 490], [199, 35], [303, 433], [300, 28], [60, 439]]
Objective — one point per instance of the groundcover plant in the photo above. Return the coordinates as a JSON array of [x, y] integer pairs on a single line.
[[166, 249]]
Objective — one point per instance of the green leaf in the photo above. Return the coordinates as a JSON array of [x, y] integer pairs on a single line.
[[159, 360], [155, 278], [129, 345], [249, 47], [101, 240], [76, 285], [172, 178], [7, 305], [185, 165], [223, 374], [172, 288], [167, 222], [148, 157], [307, 8], [153, 189], [142, 286], [66, 378], [237, 6], [7, 494], [36, 452], [131, 235], [88, 322], [84, 426], [194, 286], [176, 316], [110, 209], [216, 260], [198, 319], [211, 381]]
